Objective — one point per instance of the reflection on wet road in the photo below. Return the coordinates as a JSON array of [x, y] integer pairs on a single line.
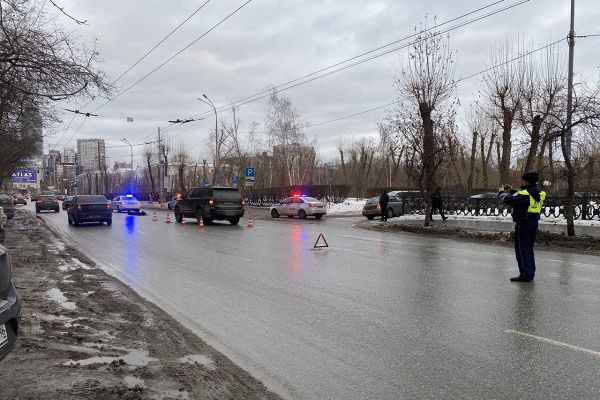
[[377, 316]]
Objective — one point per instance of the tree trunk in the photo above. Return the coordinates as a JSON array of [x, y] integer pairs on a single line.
[[153, 188], [590, 178], [484, 163], [540, 158], [499, 155], [535, 142], [472, 163], [506, 146], [428, 160]]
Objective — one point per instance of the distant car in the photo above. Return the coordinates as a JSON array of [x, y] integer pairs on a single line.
[[89, 208], [67, 202], [171, 204], [400, 203], [45, 203], [210, 204], [300, 206], [126, 203], [8, 203], [10, 306], [20, 199]]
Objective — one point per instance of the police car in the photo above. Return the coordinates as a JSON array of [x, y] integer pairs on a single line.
[[126, 203], [300, 206]]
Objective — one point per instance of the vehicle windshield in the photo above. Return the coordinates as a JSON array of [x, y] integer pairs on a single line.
[[311, 199], [227, 194], [91, 199]]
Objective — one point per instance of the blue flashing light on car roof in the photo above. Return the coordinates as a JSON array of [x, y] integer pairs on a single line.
[[128, 195]]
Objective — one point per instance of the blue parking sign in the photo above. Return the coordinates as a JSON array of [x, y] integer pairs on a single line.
[[249, 172]]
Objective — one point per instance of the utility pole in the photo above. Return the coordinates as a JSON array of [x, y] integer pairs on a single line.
[[161, 181], [569, 133]]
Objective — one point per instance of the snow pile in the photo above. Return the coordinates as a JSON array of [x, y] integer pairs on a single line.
[[198, 359], [348, 206], [58, 296]]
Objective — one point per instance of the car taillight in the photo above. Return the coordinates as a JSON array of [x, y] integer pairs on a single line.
[[109, 206], [378, 207], [39, 202], [243, 203], [79, 207], [55, 201]]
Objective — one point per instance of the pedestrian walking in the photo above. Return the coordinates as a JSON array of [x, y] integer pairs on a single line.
[[384, 199], [437, 203], [526, 207]]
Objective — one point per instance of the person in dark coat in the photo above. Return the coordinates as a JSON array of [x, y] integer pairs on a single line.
[[437, 203], [384, 199], [526, 207]]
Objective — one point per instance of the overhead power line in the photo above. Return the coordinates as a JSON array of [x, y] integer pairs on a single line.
[[161, 41], [173, 56], [319, 75], [457, 81]]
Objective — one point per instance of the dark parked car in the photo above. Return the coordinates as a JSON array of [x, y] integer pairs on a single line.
[[90, 208], [400, 204], [210, 204], [10, 306], [67, 202], [45, 203], [8, 203]]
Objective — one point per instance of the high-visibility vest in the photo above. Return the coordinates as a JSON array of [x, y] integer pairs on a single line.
[[534, 206]]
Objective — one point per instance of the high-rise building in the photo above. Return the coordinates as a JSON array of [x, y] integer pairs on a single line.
[[92, 154], [69, 156]]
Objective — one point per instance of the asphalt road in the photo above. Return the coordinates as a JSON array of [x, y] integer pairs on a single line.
[[374, 316]]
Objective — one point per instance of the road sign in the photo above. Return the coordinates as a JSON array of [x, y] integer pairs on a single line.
[[234, 180], [250, 172], [206, 181]]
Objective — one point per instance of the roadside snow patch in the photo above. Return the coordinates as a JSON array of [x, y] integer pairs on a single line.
[[138, 358], [347, 206], [57, 295], [132, 381], [198, 359], [74, 265]]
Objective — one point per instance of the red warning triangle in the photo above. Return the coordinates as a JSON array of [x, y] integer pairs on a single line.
[[321, 242]]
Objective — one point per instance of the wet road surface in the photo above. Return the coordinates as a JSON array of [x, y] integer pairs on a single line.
[[374, 316]]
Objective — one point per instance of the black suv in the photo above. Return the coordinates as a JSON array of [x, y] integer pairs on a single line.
[[10, 306], [210, 204]]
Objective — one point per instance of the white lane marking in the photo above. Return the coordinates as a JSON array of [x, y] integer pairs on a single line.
[[142, 233], [555, 342], [245, 259]]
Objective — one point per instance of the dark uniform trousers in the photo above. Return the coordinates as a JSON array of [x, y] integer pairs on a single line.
[[524, 238]]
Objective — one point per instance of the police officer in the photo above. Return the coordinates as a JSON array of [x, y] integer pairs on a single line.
[[526, 207]]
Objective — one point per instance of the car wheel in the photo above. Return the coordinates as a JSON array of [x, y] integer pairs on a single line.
[[178, 215], [319, 216], [274, 213], [200, 215], [302, 214], [57, 210], [390, 213], [109, 222], [119, 209], [75, 222], [69, 219], [370, 217], [234, 221]]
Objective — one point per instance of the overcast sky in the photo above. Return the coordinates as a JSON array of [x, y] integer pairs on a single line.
[[269, 42]]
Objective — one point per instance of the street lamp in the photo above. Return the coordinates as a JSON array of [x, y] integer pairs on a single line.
[[131, 165], [212, 105]]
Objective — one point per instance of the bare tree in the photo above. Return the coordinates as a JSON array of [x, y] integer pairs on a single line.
[[181, 159], [502, 89], [424, 86], [149, 156]]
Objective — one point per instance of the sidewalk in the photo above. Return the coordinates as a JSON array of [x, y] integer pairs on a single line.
[[86, 335], [504, 224]]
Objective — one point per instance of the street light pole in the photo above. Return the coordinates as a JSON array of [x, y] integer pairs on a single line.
[[212, 105], [131, 165]]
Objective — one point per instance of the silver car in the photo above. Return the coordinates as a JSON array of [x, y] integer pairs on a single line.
[[126, 204], [301, 206]]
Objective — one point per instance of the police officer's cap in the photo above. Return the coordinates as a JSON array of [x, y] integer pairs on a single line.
[[531, 177]]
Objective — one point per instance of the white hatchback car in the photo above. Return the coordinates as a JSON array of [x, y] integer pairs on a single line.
[[126, 203], [301, 206]]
